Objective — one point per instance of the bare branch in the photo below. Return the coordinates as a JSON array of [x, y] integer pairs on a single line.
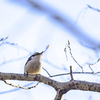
[[75, 73], [71, 73], [46, 71], [94, 73], [58, 96], [18, 86], [22, 77], [91, 68], [93, 8], [65, 53], [80, 14], [60, 87], [3, 39], [17, 46], [90, 64], [12, 60], [68, 45], [95, 62]]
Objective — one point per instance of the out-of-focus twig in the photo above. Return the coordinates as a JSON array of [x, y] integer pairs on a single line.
[[12, 60], [52, 65], [16, 46], [98, 10], [3, 39], [80, 14], [65, 21]]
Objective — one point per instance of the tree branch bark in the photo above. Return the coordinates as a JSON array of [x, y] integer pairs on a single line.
[[60, 87]]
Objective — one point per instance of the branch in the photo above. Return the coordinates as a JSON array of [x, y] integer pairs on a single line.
[[18, 47], [77, 85], [94, 73], [58, 96], [60, 87], [90, 64], [68, 45], [80, 14], [3, 39], [22, 77], [21, 86], [71, 73], [75, 73], [46, 71], [93, 8]]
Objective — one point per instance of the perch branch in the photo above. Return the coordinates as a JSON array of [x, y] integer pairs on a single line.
[[60, 87]]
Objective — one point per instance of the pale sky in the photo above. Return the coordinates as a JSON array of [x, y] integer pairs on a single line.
[[32, 29]]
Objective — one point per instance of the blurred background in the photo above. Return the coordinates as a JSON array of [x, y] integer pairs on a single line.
[[27, 26]]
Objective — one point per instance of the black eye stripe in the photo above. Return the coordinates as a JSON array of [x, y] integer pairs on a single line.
[[35, 54]]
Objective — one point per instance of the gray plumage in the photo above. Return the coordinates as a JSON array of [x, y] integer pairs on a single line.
[[33, 64]]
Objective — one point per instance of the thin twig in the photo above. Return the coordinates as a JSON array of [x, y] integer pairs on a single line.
[[80, 14], [46, 71], [95, 62], [91, 68], [90, 64], [17, 46], [71, 75], [65, 53], [3, 39], [21, 86], [68, 45], [93, 8], [75, 73], [13, 60]]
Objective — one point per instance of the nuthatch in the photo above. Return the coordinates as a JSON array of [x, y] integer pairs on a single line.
[[33, 64]]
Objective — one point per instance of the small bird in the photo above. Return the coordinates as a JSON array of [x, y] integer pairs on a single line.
[[33, 64]]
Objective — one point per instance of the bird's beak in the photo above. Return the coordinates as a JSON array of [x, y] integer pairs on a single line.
[[41, 52]]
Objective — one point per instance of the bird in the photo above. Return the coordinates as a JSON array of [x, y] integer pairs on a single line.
[[33, 64]]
